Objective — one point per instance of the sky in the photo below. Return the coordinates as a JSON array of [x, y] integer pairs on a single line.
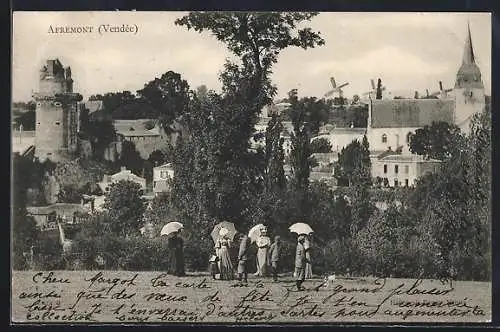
[[408, 51]]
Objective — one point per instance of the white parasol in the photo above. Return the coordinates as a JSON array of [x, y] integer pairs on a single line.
[[171, 227], [301, 228], [254, 232]]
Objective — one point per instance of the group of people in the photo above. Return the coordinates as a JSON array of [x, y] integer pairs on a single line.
[[268, 257]]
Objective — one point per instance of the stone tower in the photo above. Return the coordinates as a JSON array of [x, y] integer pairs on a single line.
[[56, 113], [469, 88]]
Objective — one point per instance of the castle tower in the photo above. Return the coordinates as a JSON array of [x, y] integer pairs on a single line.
[[469, 88], [56, 113]]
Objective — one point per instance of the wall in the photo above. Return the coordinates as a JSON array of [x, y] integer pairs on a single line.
[[50, 127], [391, 175], [467, 106], [395, 137], [147, 144]]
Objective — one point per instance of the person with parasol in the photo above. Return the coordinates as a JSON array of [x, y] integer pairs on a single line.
[[263, 243], [301, 257], [222, 246], [176, 248]]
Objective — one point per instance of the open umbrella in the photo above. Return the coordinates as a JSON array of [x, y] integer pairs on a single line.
[[301, 228], [254, 232], [231, 230], [171, 227]]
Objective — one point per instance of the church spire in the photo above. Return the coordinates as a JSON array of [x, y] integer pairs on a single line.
[[468, 58]]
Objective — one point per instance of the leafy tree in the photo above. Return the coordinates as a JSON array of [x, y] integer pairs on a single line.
[[378, 94], [440, 140], [100, 133], [224, 172], [321, 145], [169, 95], [353, 165], [125, 207], [27, 120], [357, 115], [24, 230], [131, 158], [69, 194], [274, 172], [157, 158], [160, 212]]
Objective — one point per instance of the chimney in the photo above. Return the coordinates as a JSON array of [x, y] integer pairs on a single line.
[[440, 86]]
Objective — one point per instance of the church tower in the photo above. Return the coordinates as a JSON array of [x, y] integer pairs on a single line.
[[469, 88], [56, 113]]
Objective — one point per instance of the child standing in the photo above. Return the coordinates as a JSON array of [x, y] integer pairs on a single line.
[[243, 258], [274, 256]]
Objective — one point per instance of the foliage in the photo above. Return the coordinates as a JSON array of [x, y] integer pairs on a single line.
[[24, 231], [101, 133], [27, 120], [131, 158], [168, 95], [357, 115], [353, 165], [69, 194], [125, 207], [321, 145], [157, 158], [274, 173], [440, 140], [378, 94]]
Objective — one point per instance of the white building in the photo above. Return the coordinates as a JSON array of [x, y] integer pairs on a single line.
[[162, 177], [123, 175]]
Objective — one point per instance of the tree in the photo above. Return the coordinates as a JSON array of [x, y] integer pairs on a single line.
[[224, 172], [27, 120], [353, 165], [274, 173], [100, 133], [24, 230], [440, 140], [378, 94], [169, 95], [157, 158], [131, 158], [321, 145], [125, 207], [357, 115]]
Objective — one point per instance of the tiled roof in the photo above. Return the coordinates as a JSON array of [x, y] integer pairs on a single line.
[[135, 128], [398, 113], [60, 208], [409, 158]]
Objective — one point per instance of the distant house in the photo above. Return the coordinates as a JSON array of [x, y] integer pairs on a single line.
[[68, 213], [162, 177], [402, 169], [146, 134], [123, 175], [339, 138]]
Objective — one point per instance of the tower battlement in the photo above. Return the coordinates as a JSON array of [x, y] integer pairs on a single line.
[[56, 112]]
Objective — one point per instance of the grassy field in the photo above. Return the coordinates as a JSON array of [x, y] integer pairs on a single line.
[[153, 297]]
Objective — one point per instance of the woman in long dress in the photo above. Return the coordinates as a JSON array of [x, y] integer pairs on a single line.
[[176, 255], [263, 242], [225, 265], [307, 247]]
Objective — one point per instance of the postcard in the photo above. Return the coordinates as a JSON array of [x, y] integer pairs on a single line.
[[251, 167]]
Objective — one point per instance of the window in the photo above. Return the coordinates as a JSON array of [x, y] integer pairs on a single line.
[[395, 182], [385, 169], [408, 138], [58, 123], [57, 104], [163, 174], [407, 169], [396, 169], [406, 182], [384, 138]]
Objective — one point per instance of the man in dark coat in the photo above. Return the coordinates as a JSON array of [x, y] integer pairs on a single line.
[[300, 262], [176, 255], [274, 256], [243, 258]]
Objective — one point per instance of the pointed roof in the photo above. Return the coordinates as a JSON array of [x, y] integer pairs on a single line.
[[469, 74], [468, 58]]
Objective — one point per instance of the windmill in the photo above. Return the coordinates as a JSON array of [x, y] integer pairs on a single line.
[[336, 89], [373, 91], [442, 93]]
